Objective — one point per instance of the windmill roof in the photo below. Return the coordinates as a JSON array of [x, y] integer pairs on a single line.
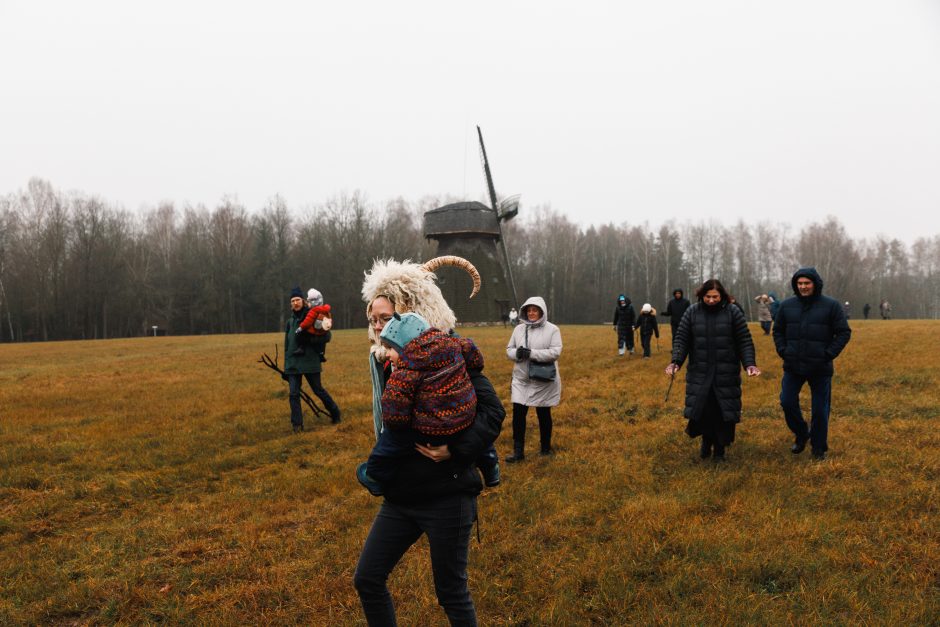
[[469, 218]]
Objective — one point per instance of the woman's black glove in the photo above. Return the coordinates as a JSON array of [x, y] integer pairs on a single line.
[[522, 353]]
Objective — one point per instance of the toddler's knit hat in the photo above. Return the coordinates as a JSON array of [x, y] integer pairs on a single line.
[[403, 328], [314, 297]]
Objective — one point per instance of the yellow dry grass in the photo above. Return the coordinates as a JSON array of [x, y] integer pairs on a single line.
[[156, 480]]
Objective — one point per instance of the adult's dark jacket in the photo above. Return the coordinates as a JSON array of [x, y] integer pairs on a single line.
[[810, 332], [309, 362], [717, 343], [676, 308], [624, 317], [419, 479]]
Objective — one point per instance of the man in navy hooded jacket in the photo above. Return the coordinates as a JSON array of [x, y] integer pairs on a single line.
[[810, 330]]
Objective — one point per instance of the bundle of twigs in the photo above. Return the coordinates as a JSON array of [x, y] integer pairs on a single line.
[[272, 364]]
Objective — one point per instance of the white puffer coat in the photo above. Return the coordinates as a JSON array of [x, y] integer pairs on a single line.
[[545, 342]]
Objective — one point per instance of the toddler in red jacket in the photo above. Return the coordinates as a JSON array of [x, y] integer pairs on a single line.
[[317, 322]]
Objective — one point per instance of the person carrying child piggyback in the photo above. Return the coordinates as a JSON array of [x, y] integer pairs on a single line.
[[318, 322], [427, 400]]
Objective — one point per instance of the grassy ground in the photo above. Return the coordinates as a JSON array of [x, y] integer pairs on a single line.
[[156, 480]]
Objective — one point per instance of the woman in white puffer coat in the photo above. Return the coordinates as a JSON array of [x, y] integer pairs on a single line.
[[535, 340]]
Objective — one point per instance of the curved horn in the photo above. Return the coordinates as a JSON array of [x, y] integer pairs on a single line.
[[457, 262]]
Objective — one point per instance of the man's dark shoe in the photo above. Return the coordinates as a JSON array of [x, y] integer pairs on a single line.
[[819, 455], [368, 482], [336, 416], [719, 455], [798, 447], [322, 358], [546, 452], [491, 475], [515, 457], [705, 450], [298, 428]]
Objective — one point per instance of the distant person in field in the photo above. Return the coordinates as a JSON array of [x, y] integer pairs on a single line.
[[885, 309], [318, 323], [306, 364], [513, 317], [646, 323], [764, 316], [434, 490], [428, 398], [774, 304], [809, 333], [535, 347], [734, 302], [714, 337], [847, 310], [866, 310], [624, 319], [676, 308]]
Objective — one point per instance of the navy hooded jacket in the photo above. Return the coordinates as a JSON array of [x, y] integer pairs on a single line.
[[810, 332]]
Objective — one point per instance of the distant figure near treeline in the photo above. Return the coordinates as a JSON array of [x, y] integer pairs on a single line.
[[713, 335], [885, 308], [624, 319], [764, 315], [676, 308], [866, 310]]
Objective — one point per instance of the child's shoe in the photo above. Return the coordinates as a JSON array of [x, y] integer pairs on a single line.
[[322, 358], [368, 482], [491, 475]]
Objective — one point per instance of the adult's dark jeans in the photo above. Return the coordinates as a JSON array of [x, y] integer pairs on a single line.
[[293, 396], [820, 387], [447, 523], [519, 413], [765, 325]]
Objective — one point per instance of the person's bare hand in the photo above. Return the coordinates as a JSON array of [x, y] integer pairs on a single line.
[[434, 453], [672, 369], [753, 371]]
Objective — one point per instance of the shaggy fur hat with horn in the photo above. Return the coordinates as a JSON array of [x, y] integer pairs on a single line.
[[412, 287]]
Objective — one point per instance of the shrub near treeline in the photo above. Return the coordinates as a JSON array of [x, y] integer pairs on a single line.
[[156, 480]]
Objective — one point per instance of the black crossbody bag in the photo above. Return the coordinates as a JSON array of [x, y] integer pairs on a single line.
[[540, 370]]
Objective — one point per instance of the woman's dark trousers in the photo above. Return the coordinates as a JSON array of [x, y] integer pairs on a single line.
[[447, 523], [293, 396], [518, 427]]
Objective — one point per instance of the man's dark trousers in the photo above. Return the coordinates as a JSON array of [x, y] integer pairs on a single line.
[[820, 387]]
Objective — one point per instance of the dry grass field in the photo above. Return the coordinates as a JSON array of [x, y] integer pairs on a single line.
[[156, 480]]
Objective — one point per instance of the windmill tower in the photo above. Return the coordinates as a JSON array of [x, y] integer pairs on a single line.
[[474, 231]]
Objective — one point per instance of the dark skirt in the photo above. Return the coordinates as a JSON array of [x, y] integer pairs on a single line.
[[710, 424]]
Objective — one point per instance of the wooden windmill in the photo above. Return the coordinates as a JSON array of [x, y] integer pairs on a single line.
[[474, 231]]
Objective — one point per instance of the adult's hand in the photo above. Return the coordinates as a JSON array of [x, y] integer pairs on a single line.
[[434, 453], [753, 371], [522, 353], [672, 369]]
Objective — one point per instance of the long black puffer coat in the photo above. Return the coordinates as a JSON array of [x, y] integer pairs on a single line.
[[810, 332], [717, 343]]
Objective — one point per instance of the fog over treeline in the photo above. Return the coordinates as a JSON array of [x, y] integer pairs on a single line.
[[74, 266]]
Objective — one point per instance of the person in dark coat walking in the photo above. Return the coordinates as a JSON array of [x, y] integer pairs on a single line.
[[624, 319], [866, 310], [304, 364], [647, 325], [809, 333], [713, 334], [676, 308]]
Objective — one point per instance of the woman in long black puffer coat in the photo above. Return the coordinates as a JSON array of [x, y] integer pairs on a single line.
[[713, 334]]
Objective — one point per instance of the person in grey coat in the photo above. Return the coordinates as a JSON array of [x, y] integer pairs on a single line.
[[535, 340], [713, 335]]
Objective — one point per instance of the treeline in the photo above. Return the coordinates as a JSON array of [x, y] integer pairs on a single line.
[[73, 266]]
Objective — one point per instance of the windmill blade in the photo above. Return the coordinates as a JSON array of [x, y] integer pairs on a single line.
[[509, 208], [486, 171]]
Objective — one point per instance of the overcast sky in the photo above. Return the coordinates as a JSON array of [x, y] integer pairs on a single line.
[[609, 111]]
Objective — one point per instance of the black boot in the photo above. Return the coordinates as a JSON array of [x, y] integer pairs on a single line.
[[518, 453], [705, 451]]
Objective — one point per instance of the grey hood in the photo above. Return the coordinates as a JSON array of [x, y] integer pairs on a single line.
[[539, 302]]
